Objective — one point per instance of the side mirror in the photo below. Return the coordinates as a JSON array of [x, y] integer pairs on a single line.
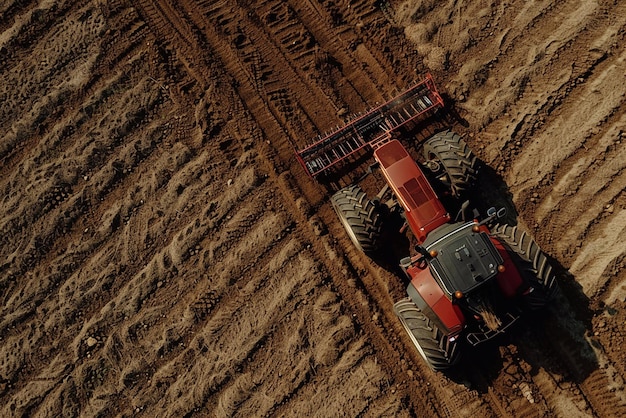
[[492, 213]]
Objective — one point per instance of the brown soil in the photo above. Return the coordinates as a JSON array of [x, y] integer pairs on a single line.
[[163, 253]]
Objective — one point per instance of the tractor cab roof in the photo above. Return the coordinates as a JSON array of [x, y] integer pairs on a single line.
[[464, 258]]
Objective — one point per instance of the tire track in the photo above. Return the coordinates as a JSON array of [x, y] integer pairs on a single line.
[[143, 285], [176, 30], [369, 89], [133, 153], [22, 122], [49, 192], [54, 217], [264, 67]]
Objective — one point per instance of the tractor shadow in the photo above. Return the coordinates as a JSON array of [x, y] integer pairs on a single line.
[[553, 340]]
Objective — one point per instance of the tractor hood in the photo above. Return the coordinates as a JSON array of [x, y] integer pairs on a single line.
[[464, 258], [424, 212]]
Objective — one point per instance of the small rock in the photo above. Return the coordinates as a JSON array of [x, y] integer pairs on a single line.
[[91, 341], [318, 226]]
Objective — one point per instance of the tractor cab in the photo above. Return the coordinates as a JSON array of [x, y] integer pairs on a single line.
[[462, 257]]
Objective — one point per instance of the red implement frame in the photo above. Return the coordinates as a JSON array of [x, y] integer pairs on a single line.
[[370, 130]]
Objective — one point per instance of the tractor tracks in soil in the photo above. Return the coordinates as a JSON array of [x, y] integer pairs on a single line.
[[193, 268]]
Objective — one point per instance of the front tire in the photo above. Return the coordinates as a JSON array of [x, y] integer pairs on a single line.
[[452, 161], [360, 217], [435, 348]]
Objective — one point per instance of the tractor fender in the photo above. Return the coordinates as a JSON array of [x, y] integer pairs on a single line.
[[510, 281], [426, 293]]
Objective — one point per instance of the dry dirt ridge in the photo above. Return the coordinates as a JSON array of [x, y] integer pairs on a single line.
[[163, 254]]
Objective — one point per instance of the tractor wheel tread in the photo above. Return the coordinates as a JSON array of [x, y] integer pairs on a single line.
[[434, 346], [360, 218], [532, 263], [457, 159]]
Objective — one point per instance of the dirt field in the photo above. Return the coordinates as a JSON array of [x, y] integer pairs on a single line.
[[162, 253]]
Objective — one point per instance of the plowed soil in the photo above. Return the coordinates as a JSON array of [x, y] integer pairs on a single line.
[[162, 252]]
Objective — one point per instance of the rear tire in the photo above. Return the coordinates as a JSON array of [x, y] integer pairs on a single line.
[[532, 264], [435, 347], [360, 217], [453, 162]]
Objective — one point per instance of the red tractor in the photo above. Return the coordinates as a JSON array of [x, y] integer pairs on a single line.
[[466, 281]]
